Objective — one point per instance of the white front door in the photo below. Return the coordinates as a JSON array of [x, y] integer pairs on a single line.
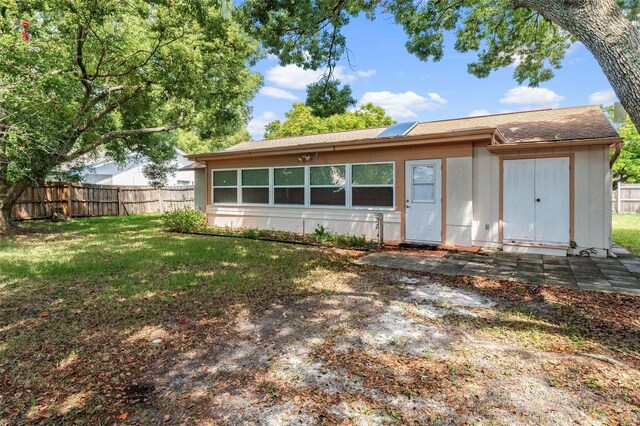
[[536, 201], [423, 211]]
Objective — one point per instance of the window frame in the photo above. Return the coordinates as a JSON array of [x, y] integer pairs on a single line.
[[346, 186], [237, 186], [307, 187], [304, 186], [392, 185], [269, 186]]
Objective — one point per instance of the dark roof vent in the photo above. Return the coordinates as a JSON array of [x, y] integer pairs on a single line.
[[398, 129]]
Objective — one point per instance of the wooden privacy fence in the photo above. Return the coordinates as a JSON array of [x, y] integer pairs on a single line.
[[79, 200], [626, 198]]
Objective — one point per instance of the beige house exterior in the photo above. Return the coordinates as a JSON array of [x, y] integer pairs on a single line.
[[535, 181]]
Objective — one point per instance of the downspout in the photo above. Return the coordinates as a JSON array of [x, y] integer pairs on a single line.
[[618, 147]]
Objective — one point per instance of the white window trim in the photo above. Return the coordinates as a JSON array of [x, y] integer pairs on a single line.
[[392, 185], [269, 186], [304, 186], [346, 187], [307, 188], [237, 186]]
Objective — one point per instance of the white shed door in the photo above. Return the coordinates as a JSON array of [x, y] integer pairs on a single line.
[[423, 213], [536, 200]]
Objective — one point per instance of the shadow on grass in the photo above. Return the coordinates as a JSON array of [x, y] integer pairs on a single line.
[[81, 307]]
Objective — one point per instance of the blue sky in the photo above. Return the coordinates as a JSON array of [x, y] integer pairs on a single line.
[[410, 90]]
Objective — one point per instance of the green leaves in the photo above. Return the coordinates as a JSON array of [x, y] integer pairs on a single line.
[[300, 120], [308, 32], [325, 98], [93, 73]]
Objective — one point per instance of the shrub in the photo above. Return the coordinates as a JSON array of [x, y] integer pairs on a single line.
[[184, 220], [321, 234]]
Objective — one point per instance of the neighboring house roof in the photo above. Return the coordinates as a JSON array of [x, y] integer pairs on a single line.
[[192, 166], [92, 161], [546, 125]]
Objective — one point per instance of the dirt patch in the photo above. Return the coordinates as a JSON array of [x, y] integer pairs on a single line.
[[383, 357]]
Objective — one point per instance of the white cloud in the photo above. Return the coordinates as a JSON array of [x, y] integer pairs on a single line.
[[292, 76], [256, 125], [537, 97], [436, 98], [403, 105], [295, 78], [271, 57], [345, 76], [604, 97], [478, 112], [274, 92]]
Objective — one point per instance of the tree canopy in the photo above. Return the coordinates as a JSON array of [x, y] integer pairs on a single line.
[[326, 98], [300, 120], [627, 166], [533, 35], [78, 76]]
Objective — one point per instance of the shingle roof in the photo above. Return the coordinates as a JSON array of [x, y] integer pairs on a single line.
[[583, 122]]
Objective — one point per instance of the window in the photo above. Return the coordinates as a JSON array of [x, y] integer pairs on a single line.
[[423, 184], [372, 185], [225, 186], [255, 186], [327, 185], [288, 186]]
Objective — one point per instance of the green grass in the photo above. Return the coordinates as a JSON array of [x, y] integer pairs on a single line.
[[626, 231], [90, 295]]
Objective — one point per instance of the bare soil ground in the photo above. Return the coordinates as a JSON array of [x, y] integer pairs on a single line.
[[388, 347], [317, 340]]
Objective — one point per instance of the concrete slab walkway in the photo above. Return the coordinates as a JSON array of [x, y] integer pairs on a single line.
[[620, 275]]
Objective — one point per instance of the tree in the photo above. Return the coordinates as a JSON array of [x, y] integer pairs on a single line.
[[77, 76], [191, 143], [532, 34], [325, 98], [301, 121], [627, 166]]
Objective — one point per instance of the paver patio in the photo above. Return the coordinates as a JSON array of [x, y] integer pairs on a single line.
[[620, 275]]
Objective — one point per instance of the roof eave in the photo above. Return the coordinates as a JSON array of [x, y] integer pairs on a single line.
[[370, 143], [554, 144]]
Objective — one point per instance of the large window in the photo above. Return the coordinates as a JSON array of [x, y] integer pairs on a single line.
[[288, 186], [372, 185], [255, 186], [328, 185], [366, 185], [225, 186]]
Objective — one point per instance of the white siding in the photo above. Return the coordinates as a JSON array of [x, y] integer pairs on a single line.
[[305, 220], [459, 209], [592, 195], [486, 197]]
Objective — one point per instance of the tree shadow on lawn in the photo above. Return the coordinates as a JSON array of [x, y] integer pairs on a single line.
[[256, 332]]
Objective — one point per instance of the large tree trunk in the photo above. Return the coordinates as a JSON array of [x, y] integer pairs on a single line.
[[612, 39], [9, 194]]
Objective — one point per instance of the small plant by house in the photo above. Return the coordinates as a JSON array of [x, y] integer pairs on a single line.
[[184, 220]]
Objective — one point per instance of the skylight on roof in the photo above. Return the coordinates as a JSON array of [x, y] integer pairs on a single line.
[[398, 129]]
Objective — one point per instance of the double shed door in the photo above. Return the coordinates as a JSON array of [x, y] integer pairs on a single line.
[[536, 201]]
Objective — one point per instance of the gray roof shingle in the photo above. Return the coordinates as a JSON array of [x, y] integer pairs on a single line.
[[574, 123]]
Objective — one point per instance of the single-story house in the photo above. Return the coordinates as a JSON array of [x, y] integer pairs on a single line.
[[106, 171], [534, 181]]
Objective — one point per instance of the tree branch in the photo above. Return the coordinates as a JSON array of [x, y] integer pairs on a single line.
[[117, 135]]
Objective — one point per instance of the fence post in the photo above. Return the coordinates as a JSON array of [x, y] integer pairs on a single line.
[[161, 199], [69, 200], [119, 202], [618, 196]]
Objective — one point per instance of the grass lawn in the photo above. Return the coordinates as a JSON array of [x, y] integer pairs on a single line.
[[626, 231], [112, 320]]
